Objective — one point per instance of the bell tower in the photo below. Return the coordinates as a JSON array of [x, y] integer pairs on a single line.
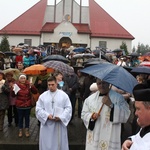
[[68, 10]]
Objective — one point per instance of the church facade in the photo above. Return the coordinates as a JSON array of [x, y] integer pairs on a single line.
[[67, 23]]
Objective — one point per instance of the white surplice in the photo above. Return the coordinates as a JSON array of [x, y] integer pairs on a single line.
[[53, 135], [140, 143], [106, 135]]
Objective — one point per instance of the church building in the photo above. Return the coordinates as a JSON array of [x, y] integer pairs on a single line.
[[67, 23]]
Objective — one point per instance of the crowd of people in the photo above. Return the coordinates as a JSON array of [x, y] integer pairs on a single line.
[[103, 109]]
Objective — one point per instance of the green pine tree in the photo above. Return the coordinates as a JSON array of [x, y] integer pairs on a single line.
[[4, 45], [124, 47]]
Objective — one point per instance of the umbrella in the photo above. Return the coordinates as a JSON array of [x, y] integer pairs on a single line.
[[147, 54], [141, 70], [21, 44], [36, 69], [118, 50], [86, 55], [113, 74], [134, 54], [38, 52], [98, 52], [145, 63], [93, 61], [55, 57], [128, 68], [8, 53], [14, 70], [80, 50], [2, 54], [17, 49], [60, 66]]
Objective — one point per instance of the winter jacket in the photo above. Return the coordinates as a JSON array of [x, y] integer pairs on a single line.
[[23, 97]]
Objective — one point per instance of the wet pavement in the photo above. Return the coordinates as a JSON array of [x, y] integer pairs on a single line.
[[9, 139]]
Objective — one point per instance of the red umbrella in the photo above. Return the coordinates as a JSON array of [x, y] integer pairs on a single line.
[[145, 63]]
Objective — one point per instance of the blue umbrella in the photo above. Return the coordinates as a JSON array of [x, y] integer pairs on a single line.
[[80, 50], [141, 70], [113, 74]]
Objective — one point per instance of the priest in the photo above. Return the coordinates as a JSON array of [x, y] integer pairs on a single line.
[[53, 110], [102, 113], [140, 141]]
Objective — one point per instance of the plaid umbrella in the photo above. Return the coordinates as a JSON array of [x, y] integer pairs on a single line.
[[60, 66]]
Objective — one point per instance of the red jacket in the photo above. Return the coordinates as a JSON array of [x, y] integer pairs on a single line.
[[19, 58], [23, 97]]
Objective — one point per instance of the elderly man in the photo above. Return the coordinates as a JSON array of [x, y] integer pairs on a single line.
[[106, 133], [140, 141]]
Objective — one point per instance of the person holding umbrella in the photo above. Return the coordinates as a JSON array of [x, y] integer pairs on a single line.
[[140, 140], [102, 113]]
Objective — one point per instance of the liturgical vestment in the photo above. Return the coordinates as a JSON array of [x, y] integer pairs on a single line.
[[106, 134], [53, 134]]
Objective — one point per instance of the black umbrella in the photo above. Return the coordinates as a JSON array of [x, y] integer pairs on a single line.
[[21, 44], [117, 50], [141, 70], [134, 54], [93, 61], [8, 53], [55, 57]]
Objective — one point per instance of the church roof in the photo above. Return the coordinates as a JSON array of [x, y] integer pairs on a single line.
[[101, 23], [29, 23], [82, 28]]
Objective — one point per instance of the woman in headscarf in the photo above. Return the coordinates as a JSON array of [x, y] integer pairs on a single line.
[[22, 90]]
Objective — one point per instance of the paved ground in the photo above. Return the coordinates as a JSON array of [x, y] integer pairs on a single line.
[[9, 139]]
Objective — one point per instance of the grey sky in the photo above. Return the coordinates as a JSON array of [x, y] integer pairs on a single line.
[[133, 15]]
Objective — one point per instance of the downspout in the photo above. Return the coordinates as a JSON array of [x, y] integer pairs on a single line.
[[55, 12], [80, 11]]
